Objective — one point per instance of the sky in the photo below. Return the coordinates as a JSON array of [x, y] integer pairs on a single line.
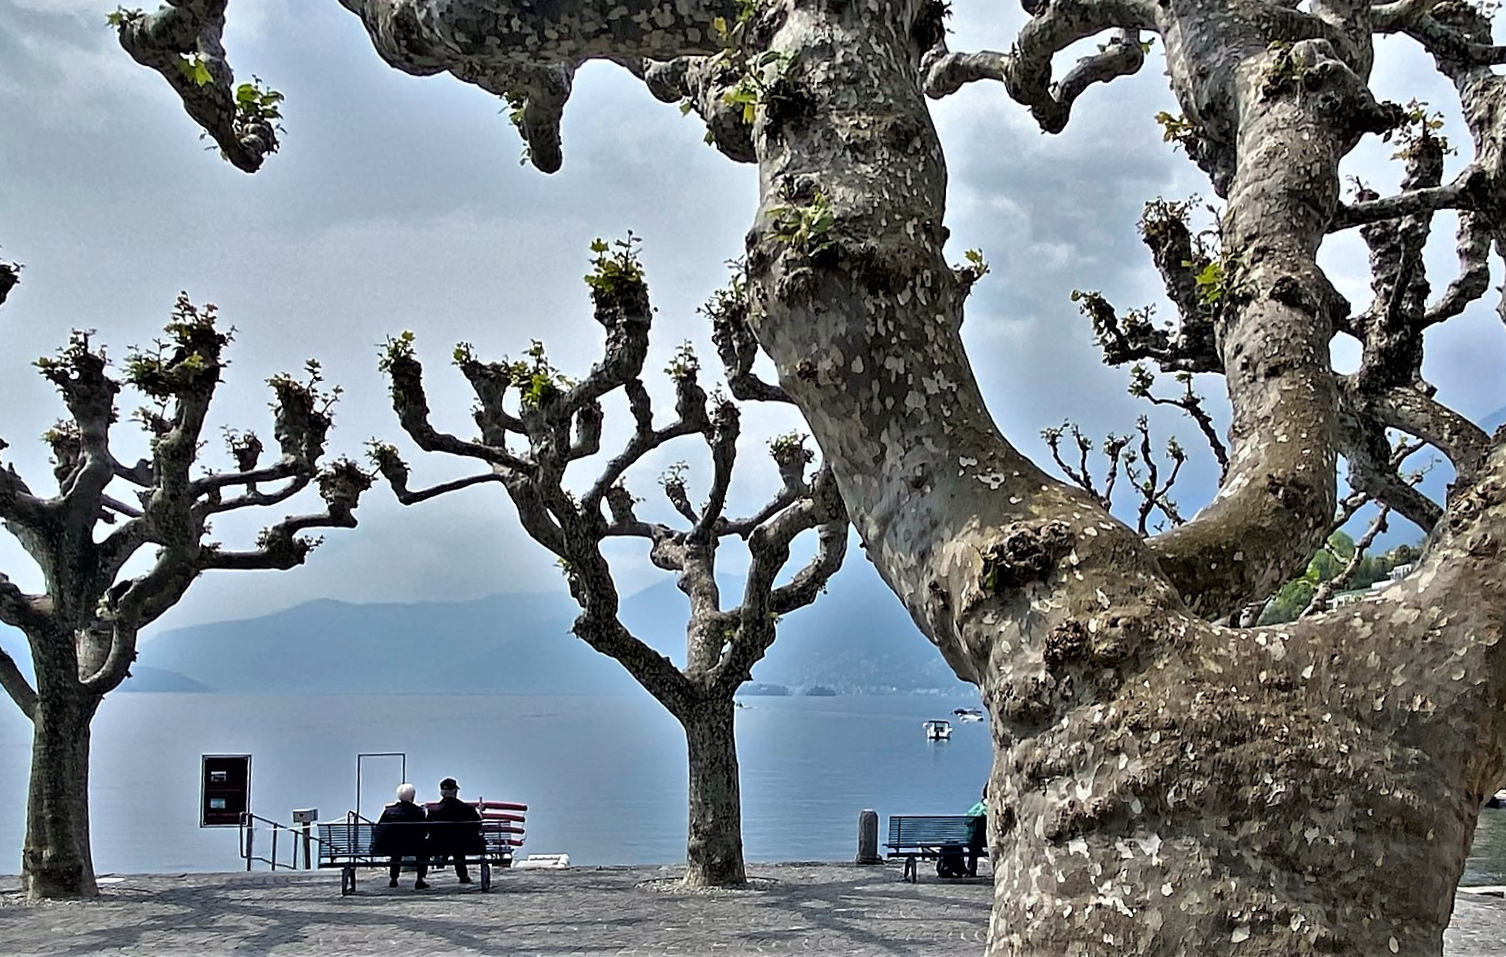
[[399, 203]]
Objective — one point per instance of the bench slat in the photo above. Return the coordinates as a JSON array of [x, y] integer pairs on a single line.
[[929, 830]]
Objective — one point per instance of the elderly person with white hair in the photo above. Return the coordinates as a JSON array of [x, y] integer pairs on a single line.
[[401, 833]]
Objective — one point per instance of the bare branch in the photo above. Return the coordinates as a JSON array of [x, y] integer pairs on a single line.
[[692, 403], [17, 503], [792, 458], [281, 546], [831, 548], [113, 506], [1373, 470], [1462, 193], [412, 407], [214, 505], [1325, 590], [735, 344], [769, 548], [140, 475], [1388, 17], [395, 470], [28, 613], [1445, 41], [1082, 477], [722, 439], [1192, 404], [1026, 71], [15, 683], [1473, 245], [1464, 444]]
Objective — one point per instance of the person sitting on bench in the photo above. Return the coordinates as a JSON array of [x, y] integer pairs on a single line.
[[405, 838], [978, 838], [962, 861], [455, 829]]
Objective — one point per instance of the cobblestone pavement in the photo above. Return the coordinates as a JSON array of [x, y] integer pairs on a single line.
[[832, 908]]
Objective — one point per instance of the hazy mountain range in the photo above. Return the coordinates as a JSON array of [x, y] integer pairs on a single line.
[[855, 637]]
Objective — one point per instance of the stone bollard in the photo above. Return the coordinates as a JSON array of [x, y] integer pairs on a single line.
[[868, 838]]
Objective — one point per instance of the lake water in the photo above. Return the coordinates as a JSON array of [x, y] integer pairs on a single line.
[[604, 777]]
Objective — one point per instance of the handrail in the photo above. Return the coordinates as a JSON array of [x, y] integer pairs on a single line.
[[248, 841]]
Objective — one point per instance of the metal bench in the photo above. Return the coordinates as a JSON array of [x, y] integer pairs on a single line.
[[347, 845], [955, 840]]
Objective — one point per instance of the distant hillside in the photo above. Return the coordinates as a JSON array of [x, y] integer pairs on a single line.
[[144, 678], [503, 643], [855, 637]]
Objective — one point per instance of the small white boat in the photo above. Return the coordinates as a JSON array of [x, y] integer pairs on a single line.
[[968, 714], [1497, 800], [937, 729]]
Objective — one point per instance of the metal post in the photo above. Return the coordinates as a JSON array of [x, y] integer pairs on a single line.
[[250, 840], [868, 838], [305, 816]]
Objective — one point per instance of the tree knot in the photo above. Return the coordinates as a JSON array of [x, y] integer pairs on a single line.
[[1066, 643], [1025, 554]]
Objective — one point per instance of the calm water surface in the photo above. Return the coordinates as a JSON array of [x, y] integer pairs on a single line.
[[604, 777]]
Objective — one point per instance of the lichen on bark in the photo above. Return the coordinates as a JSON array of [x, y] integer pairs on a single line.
[[1172, 785]]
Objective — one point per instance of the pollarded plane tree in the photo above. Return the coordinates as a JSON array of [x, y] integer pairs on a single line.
[[117, 545], [534, 424], [1166, 784]]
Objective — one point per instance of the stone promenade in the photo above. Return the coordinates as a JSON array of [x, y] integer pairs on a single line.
[[791, 908]]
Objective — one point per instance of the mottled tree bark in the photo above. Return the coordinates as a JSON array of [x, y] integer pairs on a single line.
[[1164, 785], [56, 861], [714, 845]]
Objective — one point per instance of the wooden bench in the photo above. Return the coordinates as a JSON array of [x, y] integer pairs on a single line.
[[951, 838], [347, 845]]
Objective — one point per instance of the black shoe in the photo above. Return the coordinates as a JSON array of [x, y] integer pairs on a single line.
[[420, 885], [392, 882], [466, 880]]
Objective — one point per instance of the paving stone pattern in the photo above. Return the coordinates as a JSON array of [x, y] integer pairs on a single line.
[[830, 908]]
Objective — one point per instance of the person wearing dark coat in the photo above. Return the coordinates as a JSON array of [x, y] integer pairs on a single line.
[[455, 829], [400, 833]]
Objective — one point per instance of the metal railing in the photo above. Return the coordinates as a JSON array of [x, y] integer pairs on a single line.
[[296, 837]]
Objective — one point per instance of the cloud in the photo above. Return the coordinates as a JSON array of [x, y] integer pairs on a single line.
[[398, 202]]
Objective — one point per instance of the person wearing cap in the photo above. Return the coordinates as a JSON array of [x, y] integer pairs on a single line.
[[400, 833], [455, 829]]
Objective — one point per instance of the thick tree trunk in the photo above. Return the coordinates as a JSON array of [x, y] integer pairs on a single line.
[[1165, 786], [714, 849], [56, 861], [1297, 791]]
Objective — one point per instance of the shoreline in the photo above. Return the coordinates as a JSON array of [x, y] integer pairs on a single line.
[[859, 910]]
